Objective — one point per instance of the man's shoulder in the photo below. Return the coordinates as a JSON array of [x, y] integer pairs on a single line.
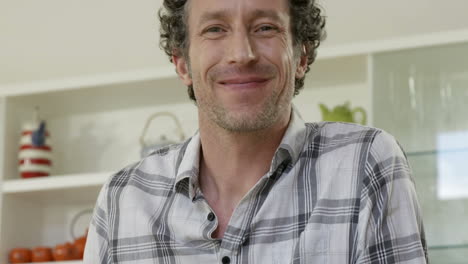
[[340, 132], [327, 137]]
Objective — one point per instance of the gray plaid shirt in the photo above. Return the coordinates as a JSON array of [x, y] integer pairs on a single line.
[[335, 193]]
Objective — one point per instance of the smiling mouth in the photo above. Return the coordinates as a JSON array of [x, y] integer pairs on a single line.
[[253, 82]]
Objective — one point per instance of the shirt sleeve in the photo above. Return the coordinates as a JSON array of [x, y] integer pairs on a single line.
[[390, 228], [97, 246]]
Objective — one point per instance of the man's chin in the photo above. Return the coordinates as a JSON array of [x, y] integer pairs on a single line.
[[245, 123]]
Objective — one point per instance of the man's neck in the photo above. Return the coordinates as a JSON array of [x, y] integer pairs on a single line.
[[236, 161], [232, 166], [232, 163]]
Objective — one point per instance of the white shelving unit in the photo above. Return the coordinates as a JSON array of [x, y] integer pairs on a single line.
[[46, 190], [58, 182], [95, 123], [88, 81]]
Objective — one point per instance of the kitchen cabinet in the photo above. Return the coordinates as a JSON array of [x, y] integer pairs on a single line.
[[421, 97]]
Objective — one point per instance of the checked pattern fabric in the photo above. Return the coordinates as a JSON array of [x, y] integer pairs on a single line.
[[335, 193]]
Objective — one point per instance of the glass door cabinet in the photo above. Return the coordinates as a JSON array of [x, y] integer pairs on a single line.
[[421, 97]]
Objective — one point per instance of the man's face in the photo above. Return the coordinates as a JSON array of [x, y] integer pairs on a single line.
[[241, 62]]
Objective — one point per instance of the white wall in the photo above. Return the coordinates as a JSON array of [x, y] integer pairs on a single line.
[[367, 20], [51, 39]]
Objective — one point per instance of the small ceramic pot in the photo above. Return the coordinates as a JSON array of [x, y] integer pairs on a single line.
[[20, 255], [79, 247], [63, 252], [42, 254]]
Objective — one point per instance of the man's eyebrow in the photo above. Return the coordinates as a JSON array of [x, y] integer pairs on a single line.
[[224, 14], [216, 15], [260, 13]]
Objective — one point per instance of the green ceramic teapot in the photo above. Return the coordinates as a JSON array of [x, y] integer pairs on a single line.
[[343, 113]]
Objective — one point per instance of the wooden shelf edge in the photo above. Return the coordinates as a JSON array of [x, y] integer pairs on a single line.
[[55, 182], [87, 81]]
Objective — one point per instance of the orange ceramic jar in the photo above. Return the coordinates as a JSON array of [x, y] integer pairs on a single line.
[[42, 254], [20, 255], [63, 252], [79, 246]]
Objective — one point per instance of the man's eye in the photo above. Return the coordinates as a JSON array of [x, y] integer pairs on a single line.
[[266, 28], [214, 30]]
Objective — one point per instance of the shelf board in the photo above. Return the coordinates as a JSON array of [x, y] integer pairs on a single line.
[[54, 182], [436, 152], [42, 86], [56, 190], [444, 247]]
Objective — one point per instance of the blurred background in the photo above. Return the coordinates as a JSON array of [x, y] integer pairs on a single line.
[[93, 71]]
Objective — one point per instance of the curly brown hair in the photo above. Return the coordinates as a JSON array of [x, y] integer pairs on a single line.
[[307, 26]]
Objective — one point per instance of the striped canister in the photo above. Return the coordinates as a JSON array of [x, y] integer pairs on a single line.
[[35, 154]]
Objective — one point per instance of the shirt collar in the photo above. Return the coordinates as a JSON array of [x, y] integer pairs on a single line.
[[290, 147], [292, 143], [189, 166]]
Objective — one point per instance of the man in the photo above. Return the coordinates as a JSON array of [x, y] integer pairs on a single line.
[[256, 184]]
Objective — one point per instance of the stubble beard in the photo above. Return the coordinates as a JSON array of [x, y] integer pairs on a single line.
[[272, 109], [249, 121]]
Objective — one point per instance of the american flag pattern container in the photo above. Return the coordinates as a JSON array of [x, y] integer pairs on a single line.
[[35, 153]]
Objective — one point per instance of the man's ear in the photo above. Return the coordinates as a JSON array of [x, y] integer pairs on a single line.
[[301, 63], [182, 69]]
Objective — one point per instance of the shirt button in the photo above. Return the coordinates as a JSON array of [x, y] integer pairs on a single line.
[[211, 217], [226, 260]]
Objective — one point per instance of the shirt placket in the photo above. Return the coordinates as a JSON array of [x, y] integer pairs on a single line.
[[237, 231], [228, 249]]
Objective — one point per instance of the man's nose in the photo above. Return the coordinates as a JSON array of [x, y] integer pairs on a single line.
[[241, 49]]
